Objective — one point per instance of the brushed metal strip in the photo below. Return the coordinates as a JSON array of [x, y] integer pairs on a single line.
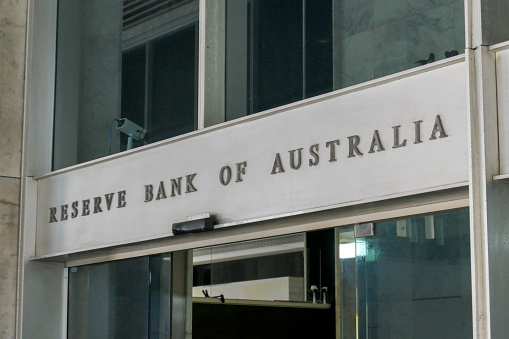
[[384, 210]]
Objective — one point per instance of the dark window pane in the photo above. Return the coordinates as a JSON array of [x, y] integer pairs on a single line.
[[133, 88], [318, 47], [300, 49], [174, 85], [277, 53], [118, 59]]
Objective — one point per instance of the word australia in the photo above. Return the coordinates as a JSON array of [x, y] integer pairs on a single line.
[[294, 158]]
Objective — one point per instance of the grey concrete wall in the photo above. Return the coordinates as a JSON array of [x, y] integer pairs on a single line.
[[88, 79], [13, 19]]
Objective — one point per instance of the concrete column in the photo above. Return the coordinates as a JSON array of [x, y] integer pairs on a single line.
[[182, 299], [13, 19], [88, 80], [237, 50], [489, 214], [211, 64]]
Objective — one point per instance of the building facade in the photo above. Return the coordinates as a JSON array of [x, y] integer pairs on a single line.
[[238, 169]]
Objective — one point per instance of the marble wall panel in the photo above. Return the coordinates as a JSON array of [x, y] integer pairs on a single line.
[[390, 48], [9, 220], [357, 16], [400, 34], [357, 59], [459, 26], [386, 11], [12, 61], [431, 31], [415, 6]]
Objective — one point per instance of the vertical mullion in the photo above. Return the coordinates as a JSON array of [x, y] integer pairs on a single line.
[[202, 47], [303, 49], [253, 41], [236, 88], [196, 75], [149, 51], [211, 63], [336, 45]]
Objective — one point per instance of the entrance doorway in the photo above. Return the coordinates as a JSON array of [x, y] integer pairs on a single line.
[[408, 278], [280, 287]]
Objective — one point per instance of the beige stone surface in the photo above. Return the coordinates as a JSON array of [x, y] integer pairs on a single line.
[[9, 220], [13, 16]]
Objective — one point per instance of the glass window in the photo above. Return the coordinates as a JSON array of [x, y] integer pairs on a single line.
[[279, 287], [138, 60], [123, 59], [410, 280], [159, 86], [281, 51], [265, 269], [121, 299], [277, 52]]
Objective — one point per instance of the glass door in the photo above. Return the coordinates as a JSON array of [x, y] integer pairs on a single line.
[[130, 298], [410, 280]]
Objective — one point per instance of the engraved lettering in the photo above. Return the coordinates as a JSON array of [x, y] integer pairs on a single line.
[[278, 165], [63, 212], [53, 214], [86, 207], [225, 180], [75, 211], [175, 186], [161, 192], [109, 200], [313, 151], [121, 199], [189, 183], [97, 205], [332, 146], [353, 146], [149, 195], [397, 144], [438, 127], [417, 132], [376, 142], [241, 170], [294, 165]]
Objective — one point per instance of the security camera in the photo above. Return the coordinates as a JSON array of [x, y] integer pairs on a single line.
[[131, 129]]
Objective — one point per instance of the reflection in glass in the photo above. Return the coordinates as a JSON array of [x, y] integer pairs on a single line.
[[279, 51], [411, 280], [121, 299], [265, 269], [123, 59], [257, 288]]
